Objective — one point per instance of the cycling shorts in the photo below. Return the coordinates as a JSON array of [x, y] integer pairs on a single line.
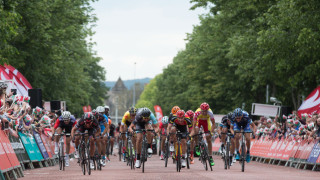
[[244, 126], [205, 124]]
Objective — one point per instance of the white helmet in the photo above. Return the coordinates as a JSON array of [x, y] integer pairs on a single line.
[[66, 115], [100, 109], [165, 120], [106, 107]]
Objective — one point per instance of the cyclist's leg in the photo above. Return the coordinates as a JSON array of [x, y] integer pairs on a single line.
[[138, 145], [223, 136], [57, 138], [133, 139], [149, 137], [248, 141]]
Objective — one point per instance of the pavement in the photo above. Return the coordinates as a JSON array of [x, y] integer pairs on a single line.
[[154, 169]]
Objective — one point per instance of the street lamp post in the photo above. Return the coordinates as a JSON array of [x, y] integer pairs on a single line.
[[134, 85]]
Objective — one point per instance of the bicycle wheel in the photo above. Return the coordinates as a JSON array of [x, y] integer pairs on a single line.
[[82, 159], [228, 154], [207, 156], [143, 154], [242, 154], [178, 163], [188, 155], [62, 157], [166, 146], [87, 160], [203, 156], [59, 159], [225, 157], [120, 149]]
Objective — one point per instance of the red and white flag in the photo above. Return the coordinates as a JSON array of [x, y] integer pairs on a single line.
[[85, 109], [21, 88], [24, 81], [311, 104], [158, 111], [5, 77]]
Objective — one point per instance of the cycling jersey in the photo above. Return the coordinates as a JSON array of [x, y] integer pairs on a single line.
[[153, 119], [93, 127], [102, 120], [163, 129], [224, 122], [126, 120], [139, 122], [244, 123], [203, 120], [182, 125]]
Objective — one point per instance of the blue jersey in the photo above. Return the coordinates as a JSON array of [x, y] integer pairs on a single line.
[[153, 119], [106, 117]]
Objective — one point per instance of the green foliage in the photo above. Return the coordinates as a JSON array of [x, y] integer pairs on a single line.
[[47, 42], [238, 49]]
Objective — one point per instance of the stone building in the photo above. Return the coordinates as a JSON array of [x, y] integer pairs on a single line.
[[117, 101]]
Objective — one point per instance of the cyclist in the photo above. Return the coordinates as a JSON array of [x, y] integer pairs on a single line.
[[225, 127], [172, 115], [190, 114], [242, 120], [104, 126], [87, 122], [65, 122], [204, 117], [106, 111], [181, 123], [142, 121], [127, 119], [112, 128], [163, 125]]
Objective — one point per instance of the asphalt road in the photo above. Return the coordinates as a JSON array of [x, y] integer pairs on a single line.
[[155, 170]]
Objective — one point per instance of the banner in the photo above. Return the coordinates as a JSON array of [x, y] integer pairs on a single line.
[[47, 143], [20, 87], [31, 147], [314, 153], [5, 162], [311, 104], [9, 150], [41, 145], [158, 111]]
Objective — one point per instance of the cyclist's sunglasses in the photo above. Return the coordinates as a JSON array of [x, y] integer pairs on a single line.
[[145, 117]]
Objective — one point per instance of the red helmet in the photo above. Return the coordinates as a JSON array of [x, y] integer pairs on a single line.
[[190, 113], [180, 113], [88, 117], [175, 109], [204, 106]]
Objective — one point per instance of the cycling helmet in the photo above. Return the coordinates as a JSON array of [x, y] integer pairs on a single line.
[[100, 109], [175, 109], [66, 115], [237, 112], [94, 112], [204, 106], [145, 112], [229, 115], [88, 117], [180, 114], [165, 120], [190, 113], [132, 110], [106, 108]]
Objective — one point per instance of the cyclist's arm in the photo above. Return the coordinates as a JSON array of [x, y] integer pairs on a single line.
[[130, 127], [73, 130], [169, 127], [254, 127], [155, 127], [105, 129], [231, 129]]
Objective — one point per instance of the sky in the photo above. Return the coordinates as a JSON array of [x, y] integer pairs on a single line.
[[149, 33]]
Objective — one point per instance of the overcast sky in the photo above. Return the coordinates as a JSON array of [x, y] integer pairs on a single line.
[[148, 32]]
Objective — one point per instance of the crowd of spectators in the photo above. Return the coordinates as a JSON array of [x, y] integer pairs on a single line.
[[292, 127], [16, 114]]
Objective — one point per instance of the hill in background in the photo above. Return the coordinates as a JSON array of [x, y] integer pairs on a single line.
[[128, 83]]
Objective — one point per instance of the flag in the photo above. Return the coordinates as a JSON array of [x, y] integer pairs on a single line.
[[158, 111], [85, 109], [311, 104], [5, 77], [24, 81], [89, 108], [20, 86]]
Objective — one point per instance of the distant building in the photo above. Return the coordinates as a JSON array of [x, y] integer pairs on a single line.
[[117, 101]]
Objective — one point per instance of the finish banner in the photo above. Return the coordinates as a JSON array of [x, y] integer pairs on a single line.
[[158, 111]]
